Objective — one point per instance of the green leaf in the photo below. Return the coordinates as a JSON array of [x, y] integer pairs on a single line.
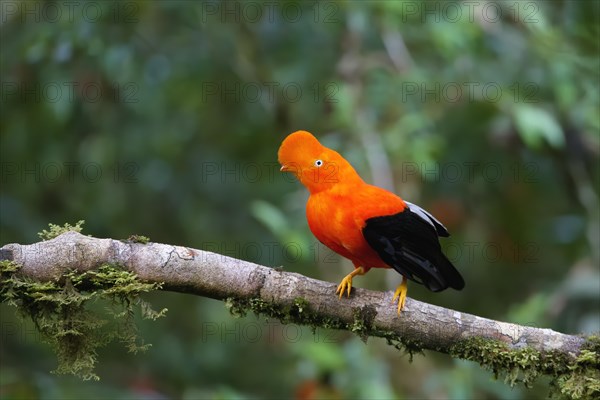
[[535, 124], [270, 216]]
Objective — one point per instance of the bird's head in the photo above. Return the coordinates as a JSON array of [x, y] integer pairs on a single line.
[[316, 166]]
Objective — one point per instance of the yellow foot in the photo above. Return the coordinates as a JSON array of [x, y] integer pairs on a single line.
[[346, 284], [401, 294]]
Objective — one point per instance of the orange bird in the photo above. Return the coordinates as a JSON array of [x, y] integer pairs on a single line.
[[370, 226]]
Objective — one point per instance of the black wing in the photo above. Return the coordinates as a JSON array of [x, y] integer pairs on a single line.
[[408, 242], [439, 227]]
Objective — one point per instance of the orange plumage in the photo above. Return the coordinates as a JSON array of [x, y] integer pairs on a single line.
[[370, 226]]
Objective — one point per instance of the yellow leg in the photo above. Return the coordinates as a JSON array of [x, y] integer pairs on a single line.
[[346, 284], [400, 292]]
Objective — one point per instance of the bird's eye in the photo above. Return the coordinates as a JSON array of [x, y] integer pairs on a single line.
[[318, 163]]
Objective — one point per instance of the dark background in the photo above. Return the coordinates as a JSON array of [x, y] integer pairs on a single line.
[[164, 118]]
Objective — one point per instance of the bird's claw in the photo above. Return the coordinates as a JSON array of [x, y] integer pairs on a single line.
[[344, 286], [400, 294]]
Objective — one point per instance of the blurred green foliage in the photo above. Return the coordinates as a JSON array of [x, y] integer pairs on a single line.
[[163, 118]]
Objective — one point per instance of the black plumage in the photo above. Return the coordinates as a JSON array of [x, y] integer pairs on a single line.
[[408, 242]]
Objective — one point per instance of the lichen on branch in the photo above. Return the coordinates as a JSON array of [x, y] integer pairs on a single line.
[[56, 230], [81, 312], [571, 378]]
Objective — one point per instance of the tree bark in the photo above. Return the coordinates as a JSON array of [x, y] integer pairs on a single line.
[[286, 295]]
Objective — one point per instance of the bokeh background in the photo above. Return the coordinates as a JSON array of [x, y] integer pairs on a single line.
[[163, 118]]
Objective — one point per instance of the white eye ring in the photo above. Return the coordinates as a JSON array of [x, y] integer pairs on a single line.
[[318, 163]]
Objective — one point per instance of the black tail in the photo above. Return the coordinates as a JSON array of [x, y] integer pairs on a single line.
[[409, 244]]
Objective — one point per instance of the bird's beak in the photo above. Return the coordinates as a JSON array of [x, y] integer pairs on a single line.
[[292, 168]]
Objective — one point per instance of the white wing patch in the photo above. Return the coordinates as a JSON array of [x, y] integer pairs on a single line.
[[425, 215]]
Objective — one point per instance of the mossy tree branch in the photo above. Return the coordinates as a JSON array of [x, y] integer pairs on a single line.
[[522, 352]]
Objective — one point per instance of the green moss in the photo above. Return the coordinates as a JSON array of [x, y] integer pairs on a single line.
[[408, 346], [299, 312], [575, 378], [236, 308], [8, 267], [517, 365], [138, 239], [301, 304], [363, 321], [592, 343], [81, 312], [583, 379], [572, 378], [56, 230]]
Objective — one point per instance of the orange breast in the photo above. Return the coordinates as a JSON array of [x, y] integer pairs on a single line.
[[336, 217]]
